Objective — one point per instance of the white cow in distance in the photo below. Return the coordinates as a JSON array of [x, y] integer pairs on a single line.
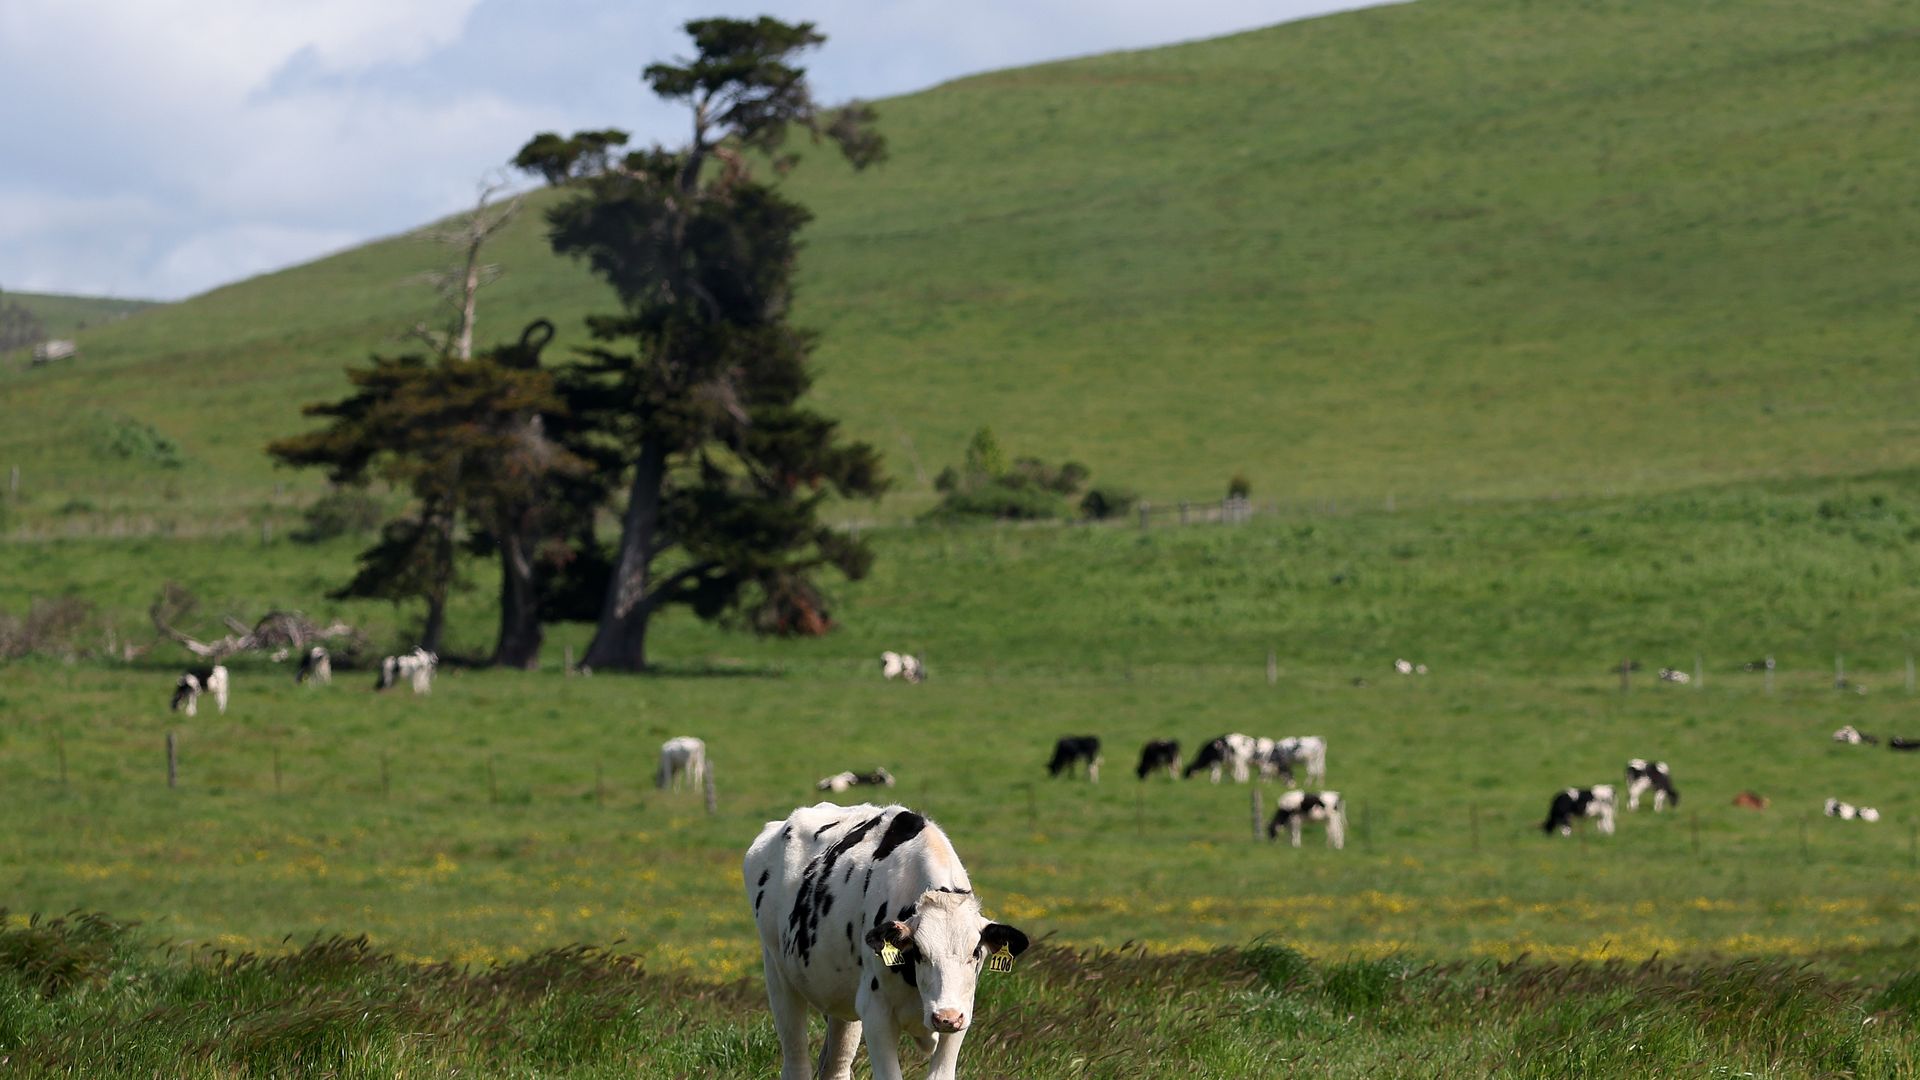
[[895, 665], [684, 756], [837, 893], [1296, 808], [196, 681], [417, 667]]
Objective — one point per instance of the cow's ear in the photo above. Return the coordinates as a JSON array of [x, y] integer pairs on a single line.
[[896, 934], [997, 936]]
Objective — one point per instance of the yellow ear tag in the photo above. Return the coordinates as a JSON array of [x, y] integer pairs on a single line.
[[891, 956], [1001, 961]]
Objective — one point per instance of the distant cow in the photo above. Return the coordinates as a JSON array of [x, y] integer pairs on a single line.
[[1747, 800], [1408, 667], [316, 665], [841, 781], [895, 665], [680, 757], [196, 681], [866, 915], [1295, 808], [1233, 752], [1308, 750], [1595, 802], [1644, 775], [416, 667], [1898, 743], [1070, 750], [1854, 737], [1159, 754], [1848, 812], [1674, 675]]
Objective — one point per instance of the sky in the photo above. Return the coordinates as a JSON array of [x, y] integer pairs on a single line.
[[159, 148]]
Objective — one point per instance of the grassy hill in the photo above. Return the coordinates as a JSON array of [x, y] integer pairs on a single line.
[[1471, 248]]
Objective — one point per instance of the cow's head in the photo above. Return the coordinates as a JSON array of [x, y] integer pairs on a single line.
[[946, 939]]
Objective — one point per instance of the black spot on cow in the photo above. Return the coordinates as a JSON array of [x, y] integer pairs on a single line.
[[848, 876], [906, 913], [757, 897], [905, 826], [812, 898], [875, 984], [822, 830], [764, 875], [849, 933]]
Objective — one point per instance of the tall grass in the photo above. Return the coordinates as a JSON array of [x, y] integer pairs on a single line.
[[337, 1007]]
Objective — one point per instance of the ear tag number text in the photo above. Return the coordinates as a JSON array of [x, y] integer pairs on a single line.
[[1001, 961], [891, 956]]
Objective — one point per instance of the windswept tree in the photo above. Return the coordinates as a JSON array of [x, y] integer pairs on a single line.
[[467, 439], [698, 379]]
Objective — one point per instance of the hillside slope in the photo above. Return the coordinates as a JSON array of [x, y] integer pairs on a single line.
[[1481, 247]]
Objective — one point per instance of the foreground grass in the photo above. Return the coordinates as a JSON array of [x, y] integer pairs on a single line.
[[85, 996]]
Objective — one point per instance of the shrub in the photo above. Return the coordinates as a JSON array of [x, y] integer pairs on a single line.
[[1107, 501], [130, 440], [341, 512], [1000, 502]]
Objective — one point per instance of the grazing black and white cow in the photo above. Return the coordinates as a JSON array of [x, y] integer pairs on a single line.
[[1854, 737], [1408, 667], [1595, 802], [1295, 808], [196, 681], [840, 891], [1846, 811], [841, 781], [1898, 743], [1644, 775], [1675, 675], [1233, 752], [416, 667], [1070, 750], [1308, 750], [316, 665], [895, 665], [1159, 754], [682, 757]]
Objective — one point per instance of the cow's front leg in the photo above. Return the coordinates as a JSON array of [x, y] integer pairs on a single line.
[[946, 1056], [836, 1057], [789, 1022], [882, 1035]]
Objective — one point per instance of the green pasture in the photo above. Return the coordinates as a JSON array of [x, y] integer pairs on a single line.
[[510, 812], [1454, 248]]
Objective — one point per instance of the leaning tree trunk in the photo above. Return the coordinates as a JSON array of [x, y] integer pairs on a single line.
[[620, 641], [520, 633], [433, 635]]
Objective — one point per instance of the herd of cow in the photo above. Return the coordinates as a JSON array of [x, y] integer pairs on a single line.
[[316, 668], [911, 940]]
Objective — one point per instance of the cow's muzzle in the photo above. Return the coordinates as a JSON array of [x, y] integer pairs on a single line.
[[948, 1020]]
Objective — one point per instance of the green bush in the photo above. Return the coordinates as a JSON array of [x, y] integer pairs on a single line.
[[1107, 501], [341, 512], [1000, 502], [130, 440]]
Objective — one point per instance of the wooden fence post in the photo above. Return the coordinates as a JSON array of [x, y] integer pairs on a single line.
[[1273, 668], [1184, 507], [599, 784], [173, 763], [1699, 672], [569, 668], [1839, 672], [14, 484], [1256, 810], [1626, 675], [713, 797], [1145, 509], [1473, 824], [1769, 674]]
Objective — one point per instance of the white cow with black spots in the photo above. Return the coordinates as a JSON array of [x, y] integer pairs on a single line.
[[831, 886], [1295, 808], [416, 667], [1644, 776], [196, 681]]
